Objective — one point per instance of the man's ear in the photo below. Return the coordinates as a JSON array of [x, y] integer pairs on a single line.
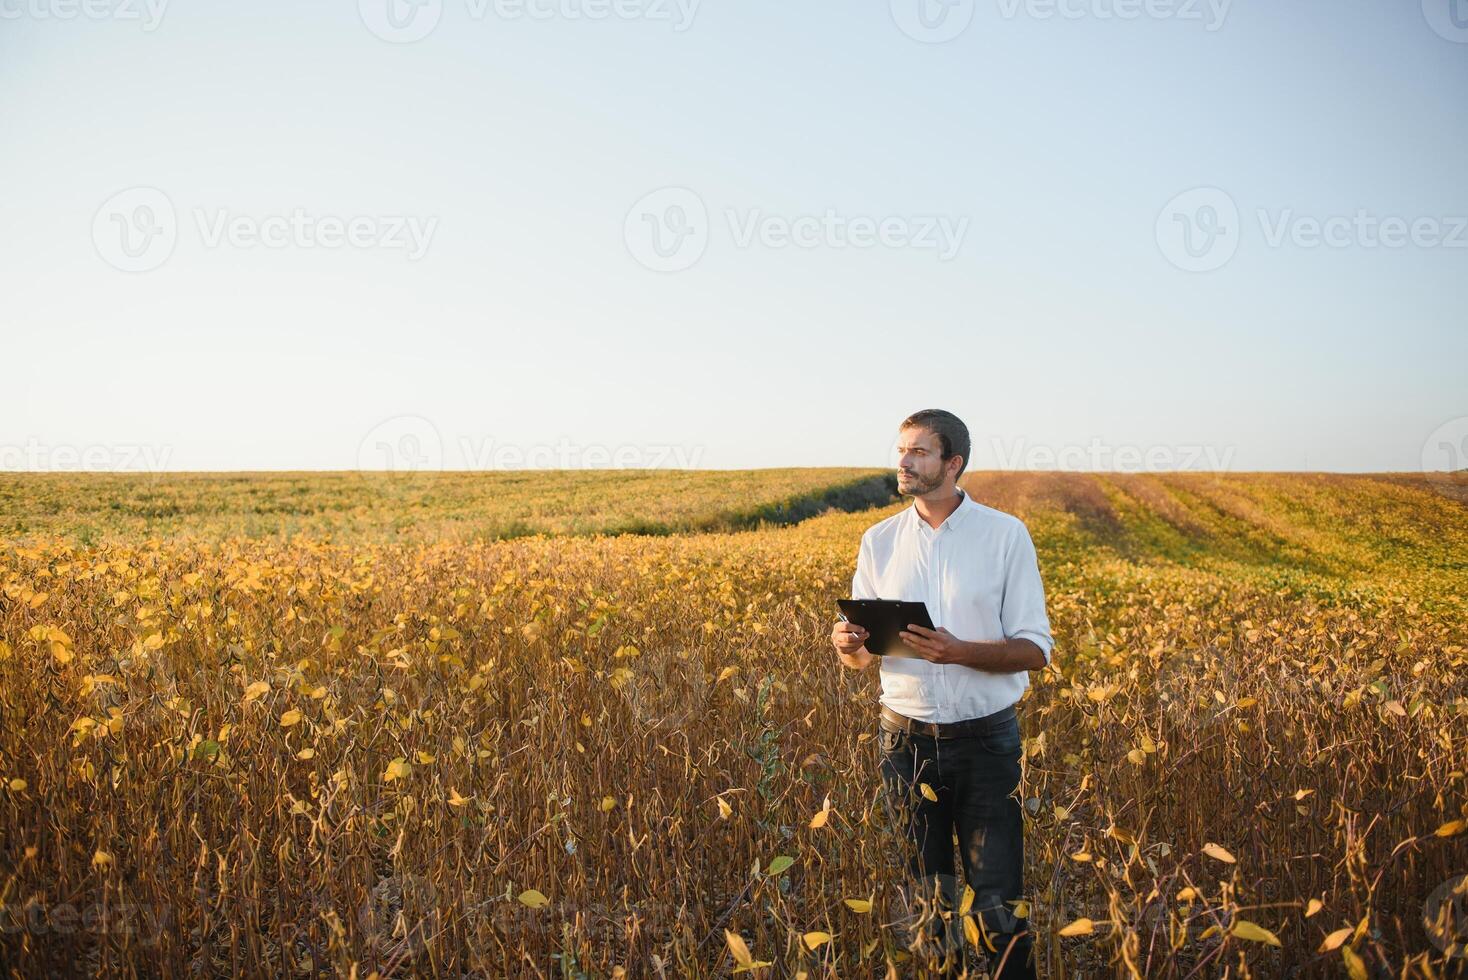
[[959, 468]]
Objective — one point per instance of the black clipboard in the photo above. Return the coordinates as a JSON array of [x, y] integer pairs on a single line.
[[883, 619]]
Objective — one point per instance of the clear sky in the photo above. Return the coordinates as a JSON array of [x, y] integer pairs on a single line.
[[732, 233]]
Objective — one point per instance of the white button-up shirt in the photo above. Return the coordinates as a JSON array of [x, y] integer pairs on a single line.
[[979, 577]]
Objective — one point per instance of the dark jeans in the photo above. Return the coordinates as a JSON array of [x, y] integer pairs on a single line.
[[972, 777]]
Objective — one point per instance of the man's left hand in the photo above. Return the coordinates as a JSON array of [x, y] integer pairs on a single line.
[[935, 646]]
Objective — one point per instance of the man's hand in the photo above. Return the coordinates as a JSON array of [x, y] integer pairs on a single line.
[[935, 646], [1000, 656], [850, 642]]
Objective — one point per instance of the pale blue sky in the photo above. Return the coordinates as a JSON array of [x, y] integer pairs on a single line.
[[521, 147]]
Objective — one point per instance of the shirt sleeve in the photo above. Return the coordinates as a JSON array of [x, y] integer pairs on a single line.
[[1022, 613], [862, 586]]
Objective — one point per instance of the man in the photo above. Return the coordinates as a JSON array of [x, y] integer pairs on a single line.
[[948, 718]]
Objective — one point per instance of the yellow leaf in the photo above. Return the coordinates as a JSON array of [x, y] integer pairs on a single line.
[[971, 933], [101, 859], [17, 785], [815, 940], [1450, 828], [607, 802], [1395, 707], [305, 754], [533, 898], [1081, 856], [1354, 965], [858, 905], [425, 758], [1315, 905], [1080, 927], [819, 820], [1187, 895], [928, 792], [290, 718], [1253, 932], [256, 690], [397, 769], [738, 948], [724, 809], [726, 673], [1334, 939], [1136, 757], [456, 800], [1218, 853]]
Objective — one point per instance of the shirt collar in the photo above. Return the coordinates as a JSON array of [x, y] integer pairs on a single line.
[[965, 504]]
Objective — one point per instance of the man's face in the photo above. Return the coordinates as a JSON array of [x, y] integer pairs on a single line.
[[921, 468]]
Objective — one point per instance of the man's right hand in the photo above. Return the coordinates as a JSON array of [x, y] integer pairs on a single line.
[[850, 640]]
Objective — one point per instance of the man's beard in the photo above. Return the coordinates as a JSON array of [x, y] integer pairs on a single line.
[[917, 486]]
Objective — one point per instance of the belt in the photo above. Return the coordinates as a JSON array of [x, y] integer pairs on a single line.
[[892, 721]]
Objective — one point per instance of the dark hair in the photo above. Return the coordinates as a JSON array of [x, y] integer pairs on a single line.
[[949, 428]]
